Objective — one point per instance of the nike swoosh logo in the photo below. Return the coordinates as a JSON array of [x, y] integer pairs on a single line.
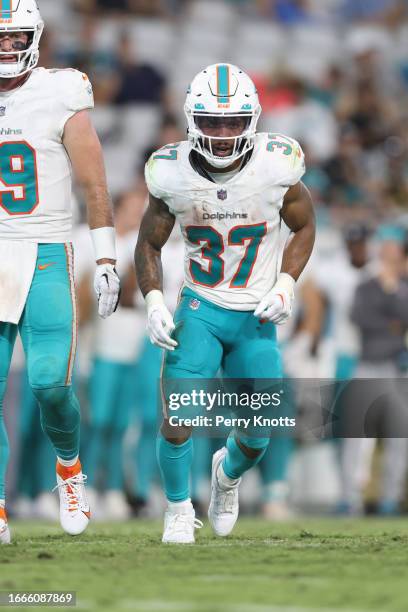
[[44, 266], [87, 514]]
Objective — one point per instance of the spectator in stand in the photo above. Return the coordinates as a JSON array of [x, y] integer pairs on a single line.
[[288, 12], [380, 312], [138, 82], [385, 12]]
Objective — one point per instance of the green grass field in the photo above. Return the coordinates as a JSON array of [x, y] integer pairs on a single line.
[[307, 565]]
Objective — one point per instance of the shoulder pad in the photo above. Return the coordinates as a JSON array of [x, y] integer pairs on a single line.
[[284, 158], [162, 171], [73, 87]]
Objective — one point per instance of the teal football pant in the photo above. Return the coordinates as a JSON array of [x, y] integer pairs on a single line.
[[147, 372], [111, 397], [209, 338], [48, 331]]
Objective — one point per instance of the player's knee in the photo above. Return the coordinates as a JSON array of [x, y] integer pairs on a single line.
[[59, 408], [53, 397], [252, 447], [47, 371]]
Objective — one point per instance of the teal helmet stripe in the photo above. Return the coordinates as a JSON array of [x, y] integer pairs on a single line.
[[223, 90], [6, 9], [5, 12]]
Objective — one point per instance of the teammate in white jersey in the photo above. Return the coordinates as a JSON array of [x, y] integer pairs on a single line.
[[45, 132], [229, 188]]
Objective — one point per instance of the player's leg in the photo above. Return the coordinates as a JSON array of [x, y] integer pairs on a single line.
[[36, 457], [254, 354], [148, 374], [114, 500], [198, 355], [8, 334], [103, 386], [48, 331]]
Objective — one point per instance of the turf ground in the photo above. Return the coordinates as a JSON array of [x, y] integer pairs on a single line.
[[308, 565]]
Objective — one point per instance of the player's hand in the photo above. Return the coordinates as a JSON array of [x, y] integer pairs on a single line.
[[107, 289], [276, 305], [160, 324]]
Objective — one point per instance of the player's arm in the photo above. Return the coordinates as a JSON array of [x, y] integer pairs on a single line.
[[298, 214], [85, 152], [156, 227]]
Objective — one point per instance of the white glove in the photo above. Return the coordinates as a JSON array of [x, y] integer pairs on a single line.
[[276, 306], [160, 323], [107, 288]]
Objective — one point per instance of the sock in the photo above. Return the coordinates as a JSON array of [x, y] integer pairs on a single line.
[[68, 463], [66, 472], [225, 481], [184, 507], [236, 462], [175, 463]]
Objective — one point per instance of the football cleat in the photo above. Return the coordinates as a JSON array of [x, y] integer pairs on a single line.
[[74, 506], [179, 524], [224, 507], [5, 537]]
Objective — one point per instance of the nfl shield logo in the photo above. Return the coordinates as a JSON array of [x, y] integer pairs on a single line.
[[222, 194], [194, 304], [2, 111]]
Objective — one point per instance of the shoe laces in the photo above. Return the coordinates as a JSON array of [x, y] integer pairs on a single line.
[[72, 490], [225, 501], [179, 522]]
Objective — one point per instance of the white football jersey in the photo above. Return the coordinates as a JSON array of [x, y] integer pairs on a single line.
[[35, 171], [230, 230]]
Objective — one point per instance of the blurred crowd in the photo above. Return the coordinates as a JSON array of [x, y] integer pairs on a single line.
[[332, 74]]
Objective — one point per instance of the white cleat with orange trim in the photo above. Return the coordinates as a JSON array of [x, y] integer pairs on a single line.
[[74, 507], [5, 537]]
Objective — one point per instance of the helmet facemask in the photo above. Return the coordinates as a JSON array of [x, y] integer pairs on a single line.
[[203, 142], [27, 58]]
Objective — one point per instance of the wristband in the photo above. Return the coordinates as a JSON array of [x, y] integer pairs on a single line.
[[154, 298], [103, 240], [285, 282]]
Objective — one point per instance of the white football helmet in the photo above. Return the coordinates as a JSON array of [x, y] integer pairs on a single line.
[[222, 90], [21, 16]]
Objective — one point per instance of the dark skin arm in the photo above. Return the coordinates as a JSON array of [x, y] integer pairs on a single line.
[[156, 227], [298, 214]]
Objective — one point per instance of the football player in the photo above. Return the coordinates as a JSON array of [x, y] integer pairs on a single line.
[[45, 130], [229, 188]]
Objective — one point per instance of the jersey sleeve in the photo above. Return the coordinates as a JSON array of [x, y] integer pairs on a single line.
[[285, 159], [74, 91], [155, 179], [296, 165]]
